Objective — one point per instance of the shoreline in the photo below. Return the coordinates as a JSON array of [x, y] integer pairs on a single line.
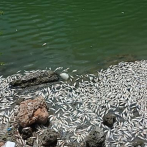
[[120, 89]]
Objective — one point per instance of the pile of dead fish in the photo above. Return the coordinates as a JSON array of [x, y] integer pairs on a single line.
[[79, 104]]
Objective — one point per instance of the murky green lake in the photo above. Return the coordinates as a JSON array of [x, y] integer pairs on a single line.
[[83, 35]]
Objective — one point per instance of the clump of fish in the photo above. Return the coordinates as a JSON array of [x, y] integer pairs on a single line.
[[78, 107]]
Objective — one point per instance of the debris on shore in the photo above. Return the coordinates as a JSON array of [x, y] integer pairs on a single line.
[[75, 109], [35, 78]]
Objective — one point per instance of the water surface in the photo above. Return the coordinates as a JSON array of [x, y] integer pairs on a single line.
[[84, 35]]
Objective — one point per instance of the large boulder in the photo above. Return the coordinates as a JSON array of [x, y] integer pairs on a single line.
[[96, 138], [32, 111], [35, 78]]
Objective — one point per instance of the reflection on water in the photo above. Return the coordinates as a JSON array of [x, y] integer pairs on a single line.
[[81, 35]]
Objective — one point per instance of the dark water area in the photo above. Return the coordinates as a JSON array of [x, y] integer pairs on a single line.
[[83, 35]]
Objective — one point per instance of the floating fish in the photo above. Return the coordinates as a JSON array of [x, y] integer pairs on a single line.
[[43, 44]]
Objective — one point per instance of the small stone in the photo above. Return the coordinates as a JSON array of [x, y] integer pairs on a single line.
[[138, 143], [19, 100], [49, 138], [26, 132], [109, 119], [96, 138], [135, 112]]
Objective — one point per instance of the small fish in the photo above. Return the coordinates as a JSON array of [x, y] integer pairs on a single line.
[[44, 44], [74, 71]]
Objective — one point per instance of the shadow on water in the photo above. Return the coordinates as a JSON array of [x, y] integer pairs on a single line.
[[112, 60]]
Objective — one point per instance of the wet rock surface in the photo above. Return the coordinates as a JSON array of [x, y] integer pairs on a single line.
[[96, 138], [36, 78], [48, 138], [109, 119], [32, 111]]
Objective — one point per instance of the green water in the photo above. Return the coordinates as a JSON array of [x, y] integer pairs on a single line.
[[84, 35]]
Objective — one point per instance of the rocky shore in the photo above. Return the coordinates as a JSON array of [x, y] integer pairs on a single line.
[[108, 109]]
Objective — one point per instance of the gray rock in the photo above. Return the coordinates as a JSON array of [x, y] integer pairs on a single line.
[[19, 100], [48, 138], [36, 78], [96, 138], [109, 119], [135, 113]]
